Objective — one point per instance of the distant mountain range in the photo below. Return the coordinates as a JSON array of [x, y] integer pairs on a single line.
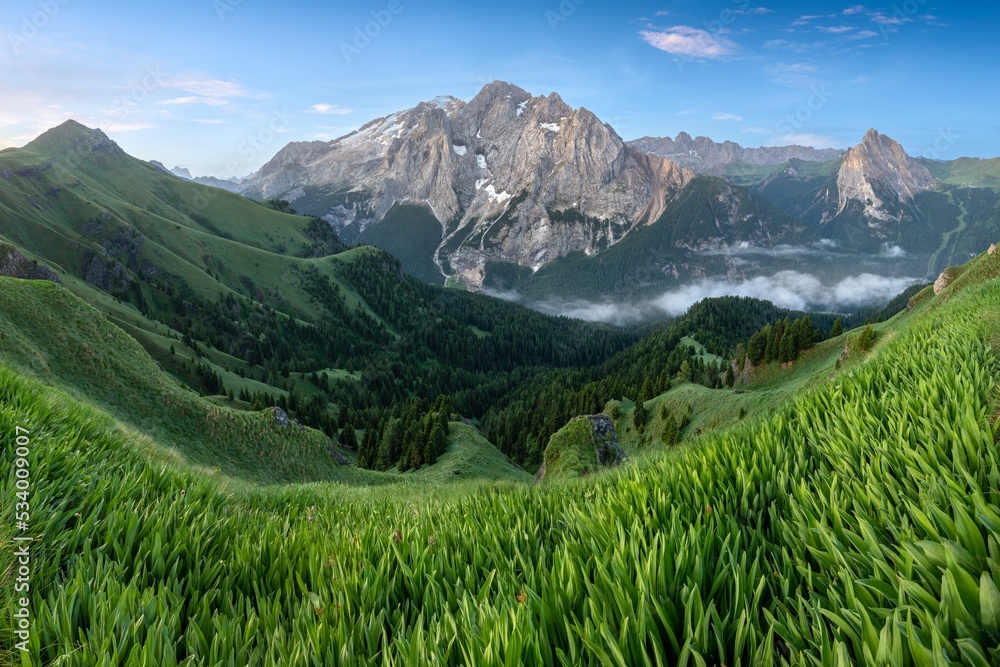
[[518, 192], [230, 184], [527, 197], [704, 156]]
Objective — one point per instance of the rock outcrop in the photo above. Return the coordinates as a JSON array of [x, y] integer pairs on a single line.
[[511, 177], [15, 265], [585, 445]]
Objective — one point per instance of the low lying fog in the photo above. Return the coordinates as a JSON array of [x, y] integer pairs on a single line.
[[787, 289]]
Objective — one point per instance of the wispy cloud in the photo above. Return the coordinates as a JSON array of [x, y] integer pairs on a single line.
[[685, 112], [208, 121], [753, 11], [691, 42], [856, 9], [196, 99], [793, 46], [796, 75], [864, 34], [329, 109], [834, 29], [884, 19], [726, 116]]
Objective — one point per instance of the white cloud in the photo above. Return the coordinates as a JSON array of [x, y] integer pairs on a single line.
[[856, 9], [755, 11], [835, 29], [796, 47], [205, 86], [787, 289], [208, 121], [726, 116], [329, 109], [194, 99], [684, 40], [790, 289], [685, 112], [792, 74], [883, 19]]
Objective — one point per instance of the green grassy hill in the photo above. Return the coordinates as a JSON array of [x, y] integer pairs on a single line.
[[231, 296], [857, 523]]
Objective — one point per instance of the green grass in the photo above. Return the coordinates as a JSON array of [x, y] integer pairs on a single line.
[[858, 524], [570, 452], [469, 457], [852, 518]]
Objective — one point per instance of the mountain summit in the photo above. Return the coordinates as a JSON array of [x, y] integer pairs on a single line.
[[509, 176], [71, 139], [878, 169]]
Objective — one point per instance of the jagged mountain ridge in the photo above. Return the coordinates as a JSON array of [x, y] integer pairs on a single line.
[[509, 176], [704, 156]]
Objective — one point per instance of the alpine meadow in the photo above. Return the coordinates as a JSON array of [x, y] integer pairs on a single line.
[[402, 363]]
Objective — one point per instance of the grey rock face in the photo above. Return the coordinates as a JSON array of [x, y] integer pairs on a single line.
[[15, 265], [511, 177], [609, 452], [875, 168], [281, 417], [704, 156]]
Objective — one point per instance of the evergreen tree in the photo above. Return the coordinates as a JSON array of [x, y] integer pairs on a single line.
[[639, 416], [348, 438], [671, 432], [867, 338], [838, 328]]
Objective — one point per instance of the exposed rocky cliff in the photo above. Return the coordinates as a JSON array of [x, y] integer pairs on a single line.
[[878, 169], [704, 156], [510, 177]]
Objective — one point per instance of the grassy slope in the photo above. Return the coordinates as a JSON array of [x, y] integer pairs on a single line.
[[469, 457], [860, 520], [49, 333]]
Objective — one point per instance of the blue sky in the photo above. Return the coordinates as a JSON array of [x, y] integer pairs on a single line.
[[220, 85]]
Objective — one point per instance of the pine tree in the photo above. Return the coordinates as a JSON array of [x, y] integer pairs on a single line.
[[348, 438], [838, 328], [867, 338], [639, 416], [671, 433]]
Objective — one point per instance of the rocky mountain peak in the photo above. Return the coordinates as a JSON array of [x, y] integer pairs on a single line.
[[558, 178], [875, 169]]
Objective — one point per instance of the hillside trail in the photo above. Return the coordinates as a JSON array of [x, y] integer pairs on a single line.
[[932, 268]]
